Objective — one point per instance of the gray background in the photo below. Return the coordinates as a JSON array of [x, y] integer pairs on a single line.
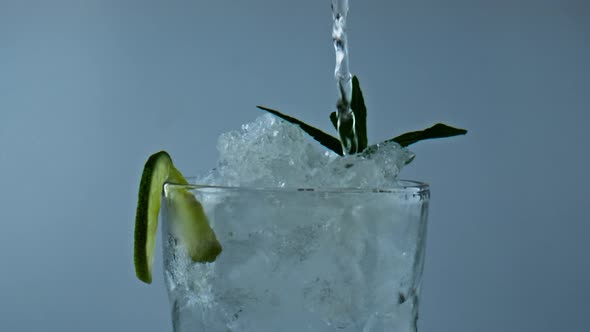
[[89, 89]]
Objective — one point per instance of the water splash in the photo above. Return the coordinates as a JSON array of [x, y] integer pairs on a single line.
[[346, 120]]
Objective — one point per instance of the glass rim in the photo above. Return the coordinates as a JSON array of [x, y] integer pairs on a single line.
[[404, 186]]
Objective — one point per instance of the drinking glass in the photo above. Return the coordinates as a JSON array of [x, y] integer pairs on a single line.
[[306, 259]]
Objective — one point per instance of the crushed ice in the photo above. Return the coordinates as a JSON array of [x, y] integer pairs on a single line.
[[270, 152]]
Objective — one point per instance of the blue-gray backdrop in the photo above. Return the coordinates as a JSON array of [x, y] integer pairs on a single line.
[[88, 89]]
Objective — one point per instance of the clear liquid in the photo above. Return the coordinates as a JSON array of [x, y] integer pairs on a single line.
[[341, 71], [346, 119]]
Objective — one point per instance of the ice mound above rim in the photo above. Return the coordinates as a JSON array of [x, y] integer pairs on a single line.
[[270, 152]]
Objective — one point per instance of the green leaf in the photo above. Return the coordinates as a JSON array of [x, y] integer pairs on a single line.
[[357, 104], [324, 139], [439, 130], [334, 120]]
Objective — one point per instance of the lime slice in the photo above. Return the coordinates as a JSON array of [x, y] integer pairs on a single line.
[[191, 226], [189, 222]]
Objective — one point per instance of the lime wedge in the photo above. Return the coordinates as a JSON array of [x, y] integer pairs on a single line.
[[190, 222]]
